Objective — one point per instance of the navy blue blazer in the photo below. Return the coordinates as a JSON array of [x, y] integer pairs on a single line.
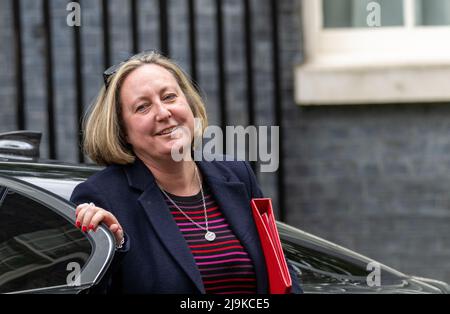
[[155, 257]]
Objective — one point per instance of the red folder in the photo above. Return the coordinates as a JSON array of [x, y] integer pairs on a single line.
[[279, 278]]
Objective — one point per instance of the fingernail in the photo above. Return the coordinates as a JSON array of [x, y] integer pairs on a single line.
[[91, 227], [84, 229], [78, 224]]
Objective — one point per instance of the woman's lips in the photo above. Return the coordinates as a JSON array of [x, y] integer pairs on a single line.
[[167, 131]]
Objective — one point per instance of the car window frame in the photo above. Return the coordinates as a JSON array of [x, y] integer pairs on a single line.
[[102, 241]]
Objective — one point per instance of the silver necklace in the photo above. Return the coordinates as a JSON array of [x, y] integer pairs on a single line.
[[209, 235]]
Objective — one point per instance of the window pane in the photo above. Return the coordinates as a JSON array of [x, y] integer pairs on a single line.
[[354, 13], [36, 245], [432, 12]]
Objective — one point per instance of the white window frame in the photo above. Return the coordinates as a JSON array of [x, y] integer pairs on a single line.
[[372, 65]]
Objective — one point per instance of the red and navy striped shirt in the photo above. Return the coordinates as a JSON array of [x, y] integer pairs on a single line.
[[224, 264]]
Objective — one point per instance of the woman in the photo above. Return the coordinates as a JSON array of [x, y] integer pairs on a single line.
[[181, 226]]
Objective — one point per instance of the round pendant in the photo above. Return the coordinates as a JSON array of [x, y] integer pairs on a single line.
[[210, 236]]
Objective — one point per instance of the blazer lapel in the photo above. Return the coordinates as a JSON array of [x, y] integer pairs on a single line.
[[162, 221]]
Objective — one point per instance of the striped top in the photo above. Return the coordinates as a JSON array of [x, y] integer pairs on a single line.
[[224, 264]]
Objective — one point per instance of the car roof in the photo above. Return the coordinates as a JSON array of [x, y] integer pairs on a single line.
[[57, 177]]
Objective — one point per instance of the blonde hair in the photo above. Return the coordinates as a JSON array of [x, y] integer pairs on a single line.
[[104, 137]]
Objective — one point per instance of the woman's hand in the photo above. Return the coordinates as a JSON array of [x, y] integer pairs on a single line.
[[88, 217]]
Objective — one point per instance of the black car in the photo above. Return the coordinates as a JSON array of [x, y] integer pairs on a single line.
[[41, 250]]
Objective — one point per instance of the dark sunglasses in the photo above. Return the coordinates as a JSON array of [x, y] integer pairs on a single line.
[[114, 68]]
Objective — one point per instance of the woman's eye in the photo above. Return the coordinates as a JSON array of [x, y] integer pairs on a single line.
[[169, 97], [141, 108]]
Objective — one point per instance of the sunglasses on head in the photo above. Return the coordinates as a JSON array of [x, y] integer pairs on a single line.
[[114, 68]]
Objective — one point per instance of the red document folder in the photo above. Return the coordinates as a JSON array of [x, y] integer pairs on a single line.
[[279, 278]]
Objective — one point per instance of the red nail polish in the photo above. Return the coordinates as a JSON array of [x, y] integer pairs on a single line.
[[84, 229], [91, 227], [78, 224]]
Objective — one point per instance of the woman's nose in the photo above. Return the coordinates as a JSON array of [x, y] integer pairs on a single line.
[[162, 112]]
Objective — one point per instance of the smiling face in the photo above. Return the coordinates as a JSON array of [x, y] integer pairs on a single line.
[[152, 104]]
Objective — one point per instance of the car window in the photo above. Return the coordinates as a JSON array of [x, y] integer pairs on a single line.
[[36, 244]]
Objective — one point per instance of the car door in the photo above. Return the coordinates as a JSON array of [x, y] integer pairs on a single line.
[[41, 251]]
